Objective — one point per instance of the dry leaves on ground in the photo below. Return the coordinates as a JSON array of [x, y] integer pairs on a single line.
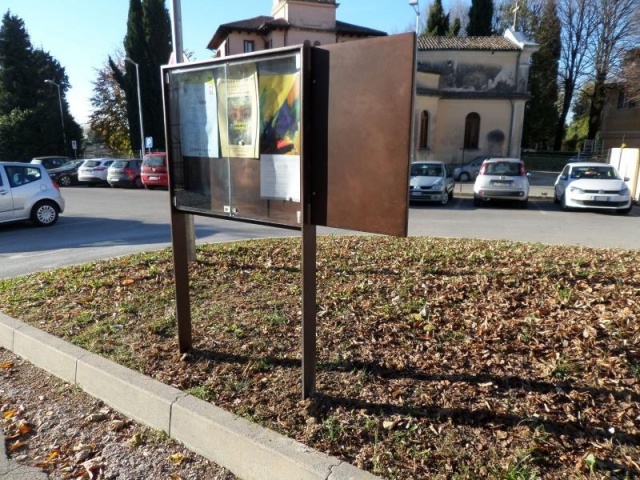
[[436, 358]]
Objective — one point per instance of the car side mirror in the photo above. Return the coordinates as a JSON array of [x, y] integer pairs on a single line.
[[563, 177], [626, 179], [528, 174]]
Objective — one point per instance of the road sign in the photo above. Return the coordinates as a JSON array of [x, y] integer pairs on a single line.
[[148, 142]]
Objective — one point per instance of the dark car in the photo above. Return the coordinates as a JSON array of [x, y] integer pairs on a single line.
[[67, 174], [154, 170], [50, 162], [125, 173]]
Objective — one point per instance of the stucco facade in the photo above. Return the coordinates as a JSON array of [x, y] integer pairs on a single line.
[[473, 82], [470, 91], [620, 120]]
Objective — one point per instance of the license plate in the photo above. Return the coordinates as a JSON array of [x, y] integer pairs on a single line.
[[500, 184], [154, 178], [601, 199], [416, 194]]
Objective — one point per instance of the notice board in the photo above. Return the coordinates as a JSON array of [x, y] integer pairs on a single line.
[[317, 135]]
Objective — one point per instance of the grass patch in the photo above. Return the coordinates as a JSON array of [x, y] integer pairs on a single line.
[[437, 358]]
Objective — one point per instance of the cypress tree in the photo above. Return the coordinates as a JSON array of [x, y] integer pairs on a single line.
[[437, 22], [157, 32], [541, 117], [454, 30], [30, 123], [148, 43], [480, 18], [16, 79]]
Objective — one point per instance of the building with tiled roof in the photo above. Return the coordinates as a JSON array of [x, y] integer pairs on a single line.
[[292, 22], [471, 92]]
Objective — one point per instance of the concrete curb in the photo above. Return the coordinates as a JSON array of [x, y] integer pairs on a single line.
[[249, 451]]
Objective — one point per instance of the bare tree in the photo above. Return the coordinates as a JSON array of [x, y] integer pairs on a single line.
[[579, 23], [629, 75], [617, 31]]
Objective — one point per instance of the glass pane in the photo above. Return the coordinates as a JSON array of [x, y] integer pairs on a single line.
[[235, 138]]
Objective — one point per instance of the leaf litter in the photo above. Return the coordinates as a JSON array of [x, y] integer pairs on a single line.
[[437, 358]]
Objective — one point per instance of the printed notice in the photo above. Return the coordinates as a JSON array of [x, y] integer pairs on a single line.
[[280, 177], [238, 113], [198, 117]]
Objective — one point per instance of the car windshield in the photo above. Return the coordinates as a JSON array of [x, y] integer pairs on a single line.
[[509, 169], [600, 173], [119, 164], [91, 163], [426, 170]]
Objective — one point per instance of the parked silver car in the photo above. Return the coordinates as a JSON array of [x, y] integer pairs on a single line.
[[28, 193], [431, 181], [470, 170], [125, 173], [94, 171], [501, 179]]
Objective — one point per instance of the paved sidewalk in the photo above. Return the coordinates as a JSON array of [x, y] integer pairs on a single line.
[[12, 470]]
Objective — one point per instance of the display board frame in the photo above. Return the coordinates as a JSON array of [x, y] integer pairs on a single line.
[[235, 135]]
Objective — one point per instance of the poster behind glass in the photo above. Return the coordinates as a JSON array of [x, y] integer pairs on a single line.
[[235, 138]]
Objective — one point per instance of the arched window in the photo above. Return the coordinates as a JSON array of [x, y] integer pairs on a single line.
[[472, 131], [423, 141]]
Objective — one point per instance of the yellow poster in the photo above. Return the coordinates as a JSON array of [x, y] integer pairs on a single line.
[[238, 114]]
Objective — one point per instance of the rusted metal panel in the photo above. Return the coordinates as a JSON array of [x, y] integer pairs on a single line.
[[362, 99]]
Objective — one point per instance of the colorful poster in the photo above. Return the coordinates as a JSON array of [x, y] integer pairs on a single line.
[[198, 116], [280, 114], [238, 112]]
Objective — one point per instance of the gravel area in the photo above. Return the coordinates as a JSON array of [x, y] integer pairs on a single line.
[[55, 426]]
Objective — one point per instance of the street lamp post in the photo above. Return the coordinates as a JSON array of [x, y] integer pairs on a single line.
[[139, 106], [64, 135], [416, 8]]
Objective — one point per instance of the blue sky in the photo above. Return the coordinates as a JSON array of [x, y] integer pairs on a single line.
[[81, 34]]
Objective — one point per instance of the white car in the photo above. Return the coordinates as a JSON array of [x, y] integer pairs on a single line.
[[431, 181], [95, 171], [28, 193], [501, 179], [592, 185]]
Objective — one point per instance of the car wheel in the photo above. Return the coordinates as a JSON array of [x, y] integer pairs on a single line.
[[563, 202], [64, 181], [465, 177], [451, 194], [137, 183], [556, 200], [445, 198], [44, 214]]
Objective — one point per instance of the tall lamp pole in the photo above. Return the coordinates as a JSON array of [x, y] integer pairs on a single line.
[[416, 8], [139, 105], [64, 135]]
